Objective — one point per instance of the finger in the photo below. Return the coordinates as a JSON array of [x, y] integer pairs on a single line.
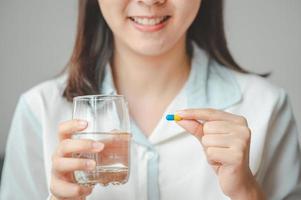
[[211, 115], [69, 146], [224, 127], [225, 156], [69, 127], [217, 140], [64, 189], [63, 165], [225, 141], [218, 127], [192, 126]]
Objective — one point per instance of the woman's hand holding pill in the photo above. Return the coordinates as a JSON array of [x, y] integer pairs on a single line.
[[63, 165], [225, 138]]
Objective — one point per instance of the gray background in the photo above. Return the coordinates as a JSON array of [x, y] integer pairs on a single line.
[[36, 39]]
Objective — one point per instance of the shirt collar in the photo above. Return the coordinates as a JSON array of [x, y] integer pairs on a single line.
[[107, 87], [209, 85]]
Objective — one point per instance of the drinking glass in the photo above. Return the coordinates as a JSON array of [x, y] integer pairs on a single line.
[[108, 122]]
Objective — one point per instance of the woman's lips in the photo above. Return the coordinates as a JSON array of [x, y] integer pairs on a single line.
[[149, 24]]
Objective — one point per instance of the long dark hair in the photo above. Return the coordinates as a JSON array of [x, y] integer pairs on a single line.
[[94, 45]]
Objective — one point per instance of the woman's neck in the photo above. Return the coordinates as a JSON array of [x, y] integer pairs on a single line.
[[150, 76]]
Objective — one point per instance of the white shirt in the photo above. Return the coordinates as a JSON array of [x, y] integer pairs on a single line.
[[169, 164]]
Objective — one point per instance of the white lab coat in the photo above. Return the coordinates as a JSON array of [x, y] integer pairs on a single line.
[[171, 163]]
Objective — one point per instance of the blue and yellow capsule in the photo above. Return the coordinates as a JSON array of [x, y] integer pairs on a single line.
[[171, 117]]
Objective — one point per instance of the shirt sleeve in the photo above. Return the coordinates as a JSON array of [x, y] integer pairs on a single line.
[[281, 169], [23, 171]]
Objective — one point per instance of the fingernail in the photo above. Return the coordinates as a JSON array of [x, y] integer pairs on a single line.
[[180, 112], [90, 164], [97, 145], [83, 124]]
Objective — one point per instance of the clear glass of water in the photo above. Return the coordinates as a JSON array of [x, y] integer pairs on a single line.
[[108, 122]]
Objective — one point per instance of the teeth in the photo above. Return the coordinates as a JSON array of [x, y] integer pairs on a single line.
[[148, 21]]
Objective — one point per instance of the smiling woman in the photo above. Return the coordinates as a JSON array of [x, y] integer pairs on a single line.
[[202, 21], [202, 127]]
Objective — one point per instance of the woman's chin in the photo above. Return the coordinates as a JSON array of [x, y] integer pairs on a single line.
[[150, 49]]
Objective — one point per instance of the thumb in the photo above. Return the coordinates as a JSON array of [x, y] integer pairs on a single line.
[[192, 126]]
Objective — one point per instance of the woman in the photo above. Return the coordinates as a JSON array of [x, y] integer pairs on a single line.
[[237, 138]]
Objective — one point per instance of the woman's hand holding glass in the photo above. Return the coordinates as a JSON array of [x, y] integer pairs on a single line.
[[94, 147], [63, 185]]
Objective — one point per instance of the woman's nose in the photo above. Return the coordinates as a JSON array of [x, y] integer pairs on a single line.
[[151, 2]]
